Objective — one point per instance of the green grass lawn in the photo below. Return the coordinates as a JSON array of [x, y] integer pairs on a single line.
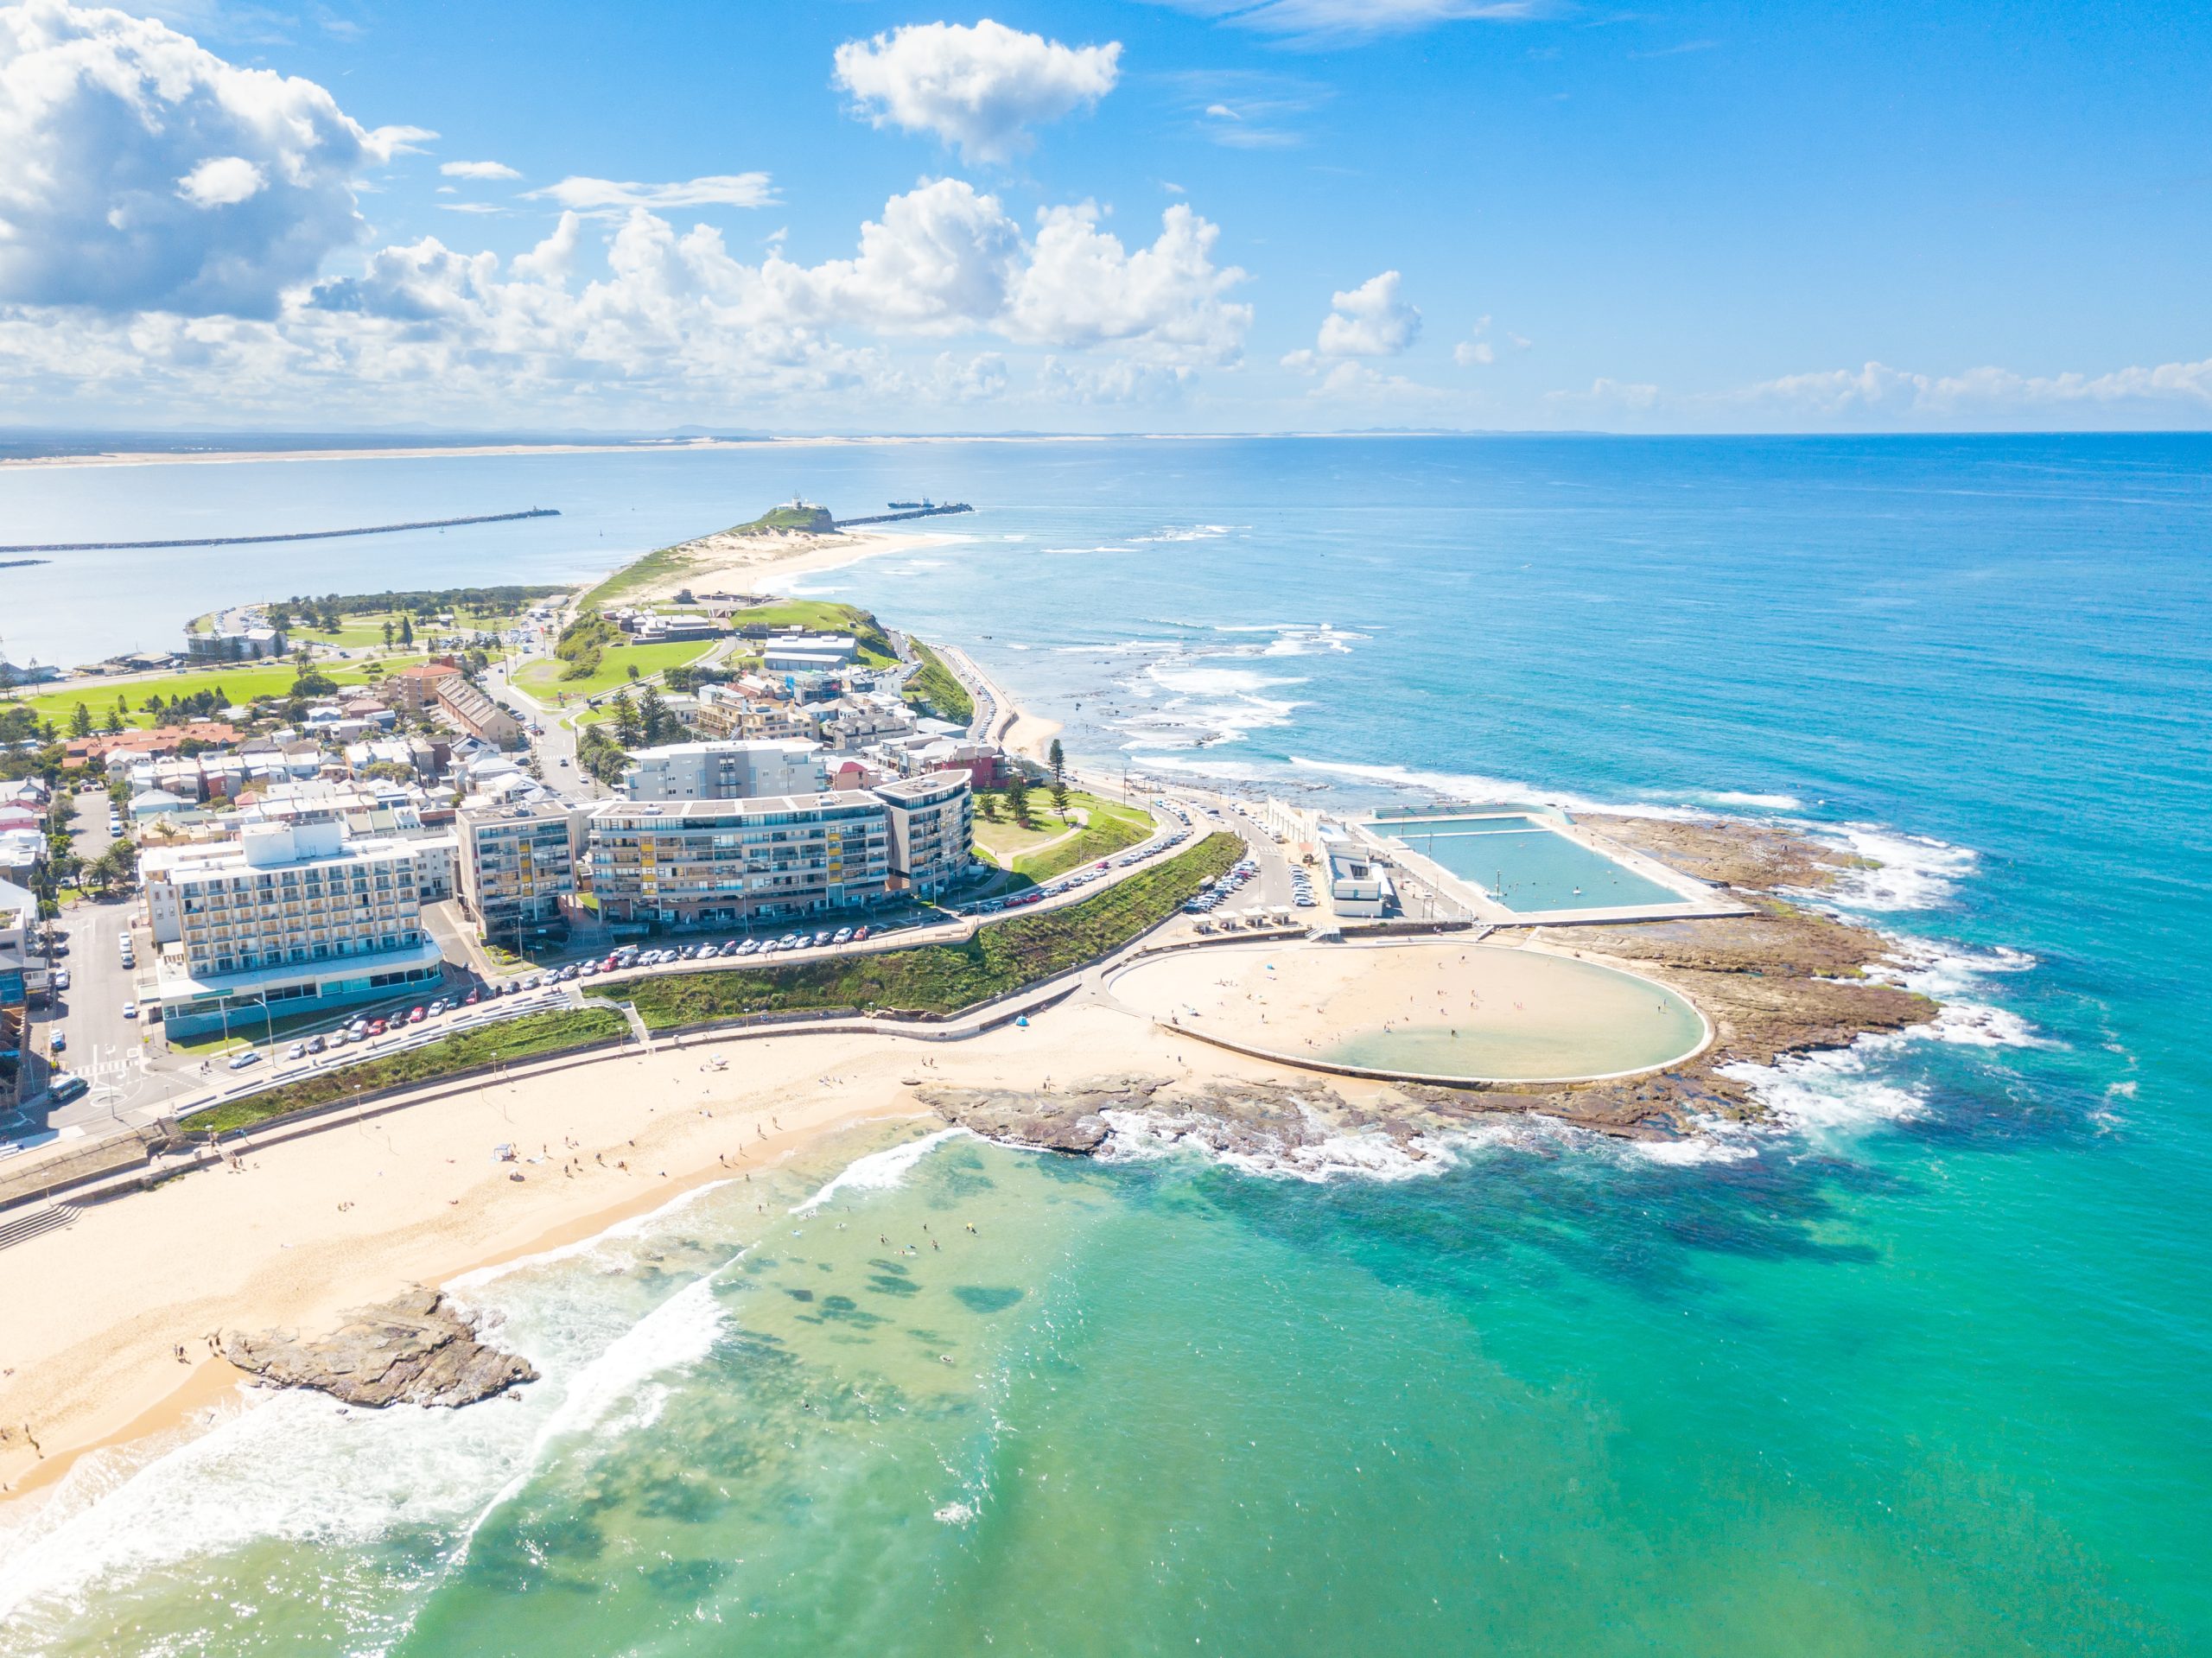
[[821, 616], [367, 630], [241, 683], [515, 1039], [1028, 852], [543, 680], [942, 979]]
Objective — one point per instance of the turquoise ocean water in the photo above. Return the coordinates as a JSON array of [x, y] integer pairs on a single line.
[[1921, 1369]]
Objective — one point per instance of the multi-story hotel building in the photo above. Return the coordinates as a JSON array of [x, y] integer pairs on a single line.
[[731, 862], [290, 919], [518, 860]]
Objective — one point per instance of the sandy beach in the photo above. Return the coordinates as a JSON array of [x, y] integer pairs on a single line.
[[724, 563], [359, 1212]]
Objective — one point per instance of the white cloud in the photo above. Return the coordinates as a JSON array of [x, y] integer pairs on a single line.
[[1081, 288], [1608, 395], [477, 170], [719, 190], [1877, 389], [981, 87], [1318, 20], [138, 170], [222, 181], [1115, 381], [127, 153], [1372, 320], [1476, 350]]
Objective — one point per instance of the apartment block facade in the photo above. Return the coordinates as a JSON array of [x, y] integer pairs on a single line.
[[518, 860], [724, 771]]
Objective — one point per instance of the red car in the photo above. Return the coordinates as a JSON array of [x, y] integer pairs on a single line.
[[378, 1027], [469, 1001], [415, 1015]]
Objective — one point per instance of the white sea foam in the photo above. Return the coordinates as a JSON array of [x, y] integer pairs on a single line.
[[879, 1171], [954, 1513], [1193, 533], [1475, 790], [620, 1390], [349, 1477], [1826, 1093], [1909, 872], [1763, 803]]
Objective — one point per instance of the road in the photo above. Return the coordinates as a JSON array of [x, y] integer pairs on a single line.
[[116, 1055]]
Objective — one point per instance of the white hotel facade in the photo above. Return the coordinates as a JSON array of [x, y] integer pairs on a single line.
[[290, 919]]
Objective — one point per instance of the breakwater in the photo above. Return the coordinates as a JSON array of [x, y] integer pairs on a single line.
[[918, 513], [301, 534]]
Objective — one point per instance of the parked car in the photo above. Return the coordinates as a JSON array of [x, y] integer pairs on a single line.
[[469, 1001], [67, 1088], [859, 933], [244, 1057], [298, 1051], [377, 1027], [58, 1042], [316, 1044], [131, 1010], [437, 1007], [61, 978]]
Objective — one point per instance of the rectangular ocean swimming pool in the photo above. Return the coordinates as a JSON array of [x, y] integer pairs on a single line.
[[1527, 866]]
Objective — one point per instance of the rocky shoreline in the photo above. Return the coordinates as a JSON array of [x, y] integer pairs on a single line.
[[413, 1349], [1787, 979]]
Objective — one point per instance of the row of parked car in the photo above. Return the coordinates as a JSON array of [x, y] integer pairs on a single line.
[[1222, 887], [631, 956]]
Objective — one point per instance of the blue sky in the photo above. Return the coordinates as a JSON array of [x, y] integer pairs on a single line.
[[1299, 214]]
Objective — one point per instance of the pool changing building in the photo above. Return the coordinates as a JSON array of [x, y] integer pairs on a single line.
[[694, 863], [290, 919]]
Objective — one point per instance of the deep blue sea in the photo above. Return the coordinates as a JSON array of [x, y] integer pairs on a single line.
[[1925, 1368]]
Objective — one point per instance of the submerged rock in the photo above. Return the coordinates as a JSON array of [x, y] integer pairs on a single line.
[[412, 1350]]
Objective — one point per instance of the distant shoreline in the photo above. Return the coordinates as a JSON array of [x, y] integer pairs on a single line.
[[441, 452]]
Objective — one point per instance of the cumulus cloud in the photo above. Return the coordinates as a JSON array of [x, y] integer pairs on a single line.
[[1372, 320], [674, 312], [138, 171], [980, 87], [167, 224], [1474, 353], [1082, 287], [222, 181], [719, 190]]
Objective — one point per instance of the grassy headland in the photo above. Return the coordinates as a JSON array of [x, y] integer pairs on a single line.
[[933, 686], [941, 979]]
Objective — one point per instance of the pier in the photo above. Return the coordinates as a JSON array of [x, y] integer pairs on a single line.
[[884, 517], [302, 534]]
